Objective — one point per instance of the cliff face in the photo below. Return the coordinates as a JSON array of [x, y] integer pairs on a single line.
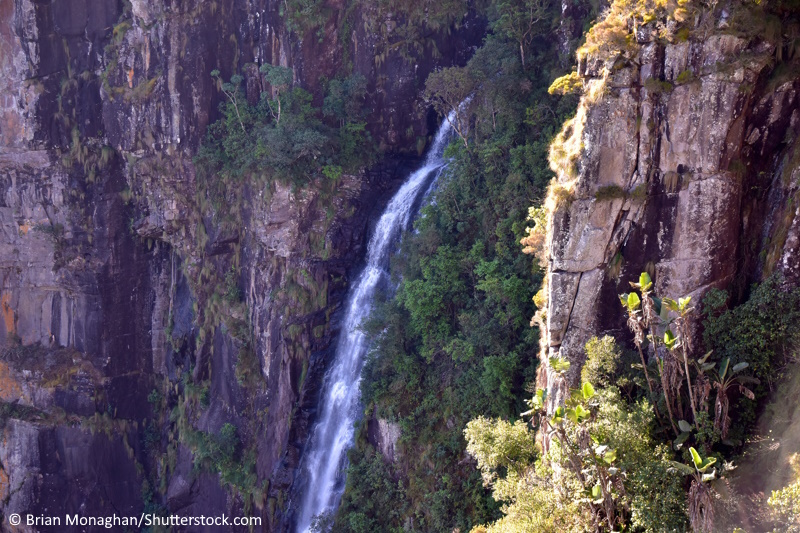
[[682, 162], [105, 238]]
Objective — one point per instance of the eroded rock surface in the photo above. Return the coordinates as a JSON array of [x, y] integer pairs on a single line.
[[104, 238], [680, 162]]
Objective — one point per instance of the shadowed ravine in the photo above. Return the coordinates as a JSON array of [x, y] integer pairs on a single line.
[[324, 461]]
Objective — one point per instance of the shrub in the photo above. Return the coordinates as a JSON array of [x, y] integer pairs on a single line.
[[639, 193], [500, 445], [613, 33], [304, 15], [785, 502], [155, 399], [560, 196], [683, 34], [498, 377], [404, 27], [232, 292], [655, 86], [17, 411], [223, 453], [283, 136], [568, 84], [609, 35], [540, 299], [566, 148], [658, 499], [248, 367], [534, 242], [756, 331], [602, 357], [687, 76], [345, 99], [610, 192], [370, 480], [597, 440]]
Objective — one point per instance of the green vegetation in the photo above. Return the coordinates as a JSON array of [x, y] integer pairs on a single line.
[[603, 358], [757, 330], [305, 15], [615, 457], [785, 502], [228, 452], [404, 28], [641, 451], [567, 84], [282, 137], [521, 21], [601, 470], [248, 368], [17, 411], [408, 27], [372, 490], [678, 21], [669, 20], [233, 294], [655, 86], [454, 342], [638, 445], [223, 453], [687, 76], [610, 192]]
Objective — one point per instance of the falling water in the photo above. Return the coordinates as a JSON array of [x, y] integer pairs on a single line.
[[324, 460]]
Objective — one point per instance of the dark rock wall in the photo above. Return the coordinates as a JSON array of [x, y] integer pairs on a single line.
[[102, 106]]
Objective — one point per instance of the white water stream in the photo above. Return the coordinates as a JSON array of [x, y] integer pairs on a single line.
[[324, 459]]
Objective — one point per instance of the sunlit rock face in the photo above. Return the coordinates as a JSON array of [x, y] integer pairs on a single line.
[[103, 105], [684, 168]]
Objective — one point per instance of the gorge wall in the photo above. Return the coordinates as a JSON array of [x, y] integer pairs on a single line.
[[119, 356], [681, 161], [113, 347]]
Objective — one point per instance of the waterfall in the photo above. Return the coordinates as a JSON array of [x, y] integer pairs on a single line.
[[324, 459]]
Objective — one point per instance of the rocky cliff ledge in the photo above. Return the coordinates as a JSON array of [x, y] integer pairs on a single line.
[[682, 161], [116, 347]]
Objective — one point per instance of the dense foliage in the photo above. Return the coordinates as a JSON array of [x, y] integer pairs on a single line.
[[638, 446], [616, 458], [281, 137], [454, 342], [608, 463], [601, 469], [761, 331], [786, 501], [756, 331]]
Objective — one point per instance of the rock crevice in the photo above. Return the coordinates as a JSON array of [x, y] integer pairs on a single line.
[[678, 174]]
